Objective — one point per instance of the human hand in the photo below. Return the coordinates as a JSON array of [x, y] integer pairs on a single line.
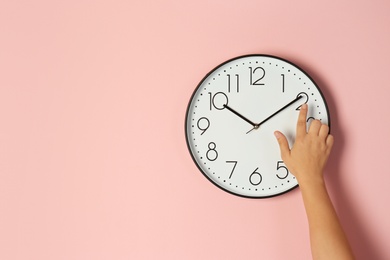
[[308, 156]]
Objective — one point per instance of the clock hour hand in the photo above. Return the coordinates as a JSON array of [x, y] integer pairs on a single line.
[[239, 115]]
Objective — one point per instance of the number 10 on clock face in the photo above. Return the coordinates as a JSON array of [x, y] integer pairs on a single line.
[[231, 118]]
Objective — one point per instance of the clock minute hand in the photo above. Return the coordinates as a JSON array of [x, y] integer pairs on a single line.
[[268, 118], [239, 115]]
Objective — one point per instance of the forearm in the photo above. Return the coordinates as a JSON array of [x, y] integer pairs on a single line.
[[306, 160], [327, 238]]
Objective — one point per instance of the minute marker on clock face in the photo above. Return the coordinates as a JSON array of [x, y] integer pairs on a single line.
[[227, 101]]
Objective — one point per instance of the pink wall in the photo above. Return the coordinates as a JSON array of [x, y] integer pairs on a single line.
[[93, 160]]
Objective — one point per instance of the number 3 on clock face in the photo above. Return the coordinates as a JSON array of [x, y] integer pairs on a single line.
[[231, 118]]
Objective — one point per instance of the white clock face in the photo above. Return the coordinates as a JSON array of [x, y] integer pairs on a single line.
[[232, 116]]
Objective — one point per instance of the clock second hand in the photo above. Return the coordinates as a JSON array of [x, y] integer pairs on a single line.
[[256, 126]]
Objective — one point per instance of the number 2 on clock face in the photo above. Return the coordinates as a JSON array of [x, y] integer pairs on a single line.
[[231, 118]]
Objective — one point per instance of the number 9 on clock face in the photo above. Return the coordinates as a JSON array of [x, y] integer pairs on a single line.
[[231, 118]]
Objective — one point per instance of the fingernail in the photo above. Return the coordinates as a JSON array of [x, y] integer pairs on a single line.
[[277, 134], [304, 106]]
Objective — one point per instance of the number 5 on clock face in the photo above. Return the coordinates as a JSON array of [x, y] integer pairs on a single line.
[[231, 118]]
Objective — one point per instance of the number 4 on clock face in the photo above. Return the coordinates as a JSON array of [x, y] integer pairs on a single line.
[[231, 118]]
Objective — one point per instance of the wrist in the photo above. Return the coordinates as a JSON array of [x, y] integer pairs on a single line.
[[311, 180]]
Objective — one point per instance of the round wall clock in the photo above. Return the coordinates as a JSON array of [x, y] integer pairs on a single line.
[[232, 116]]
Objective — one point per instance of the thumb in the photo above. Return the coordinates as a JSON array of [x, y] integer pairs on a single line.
[[283, 144]]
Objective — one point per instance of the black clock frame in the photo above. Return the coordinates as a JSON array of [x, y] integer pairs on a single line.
[[198, 86]]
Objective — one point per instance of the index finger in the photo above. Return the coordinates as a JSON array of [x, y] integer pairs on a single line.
[[301, 124]]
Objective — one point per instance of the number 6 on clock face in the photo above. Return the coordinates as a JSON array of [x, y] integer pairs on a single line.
[[231, 118]]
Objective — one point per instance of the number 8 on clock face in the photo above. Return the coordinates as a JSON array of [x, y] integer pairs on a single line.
[[231, 118]]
